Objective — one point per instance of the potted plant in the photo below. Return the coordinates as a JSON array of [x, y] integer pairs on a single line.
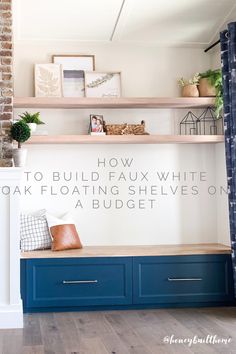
[[210, 85], [32, 120], [20, 132], [189, 87]]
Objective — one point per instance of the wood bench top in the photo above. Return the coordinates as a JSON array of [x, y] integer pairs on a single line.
[[126, 251]]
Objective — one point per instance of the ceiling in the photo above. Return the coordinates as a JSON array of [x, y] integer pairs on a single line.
[[158, 22]]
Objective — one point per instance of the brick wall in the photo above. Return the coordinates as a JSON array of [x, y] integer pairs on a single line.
[[6, 82]]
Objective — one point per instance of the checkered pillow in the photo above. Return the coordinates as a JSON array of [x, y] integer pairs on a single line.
[[34, 232]]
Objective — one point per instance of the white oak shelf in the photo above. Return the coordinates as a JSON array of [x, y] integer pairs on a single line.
[[126, 139], [112, 103], [119, 251]]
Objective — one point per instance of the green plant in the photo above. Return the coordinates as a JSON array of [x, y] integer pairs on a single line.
[[31, 118], [214, 78], [192, 81], [20, 132]]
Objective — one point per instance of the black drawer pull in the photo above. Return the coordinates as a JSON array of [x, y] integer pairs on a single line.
[[184, 279], [79, 281]]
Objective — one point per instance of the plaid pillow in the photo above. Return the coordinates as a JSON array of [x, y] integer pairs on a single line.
[[34, 232]]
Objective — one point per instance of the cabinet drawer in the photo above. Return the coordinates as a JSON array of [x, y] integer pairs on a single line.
[[76, 282], [181, 279]]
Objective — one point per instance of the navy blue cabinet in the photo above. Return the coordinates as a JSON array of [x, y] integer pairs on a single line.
[[51, 284], [182, 279], [71, 282]]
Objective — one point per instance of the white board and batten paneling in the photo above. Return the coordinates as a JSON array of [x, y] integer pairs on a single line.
[[11, 315]]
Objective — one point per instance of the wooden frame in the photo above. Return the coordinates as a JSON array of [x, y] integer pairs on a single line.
[[106, 76], [76, 56]]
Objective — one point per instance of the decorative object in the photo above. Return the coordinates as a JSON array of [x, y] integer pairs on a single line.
[[208, 124], [73, 67], [65, 237], [32, 119], [188, 124], [228, 55], [96, 124], [20, 132], [19, 157], [48, 80], [205, 88], [189, 87], [63, 232], [34, 232], [103, 84], [210, 84], [190, 91], [126, 129]]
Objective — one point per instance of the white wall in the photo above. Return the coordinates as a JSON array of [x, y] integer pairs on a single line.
[[173, 219], [146, 71], [215, 57]]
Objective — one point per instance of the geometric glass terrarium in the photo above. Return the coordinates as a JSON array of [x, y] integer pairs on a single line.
[[208, 124], [188, 124]]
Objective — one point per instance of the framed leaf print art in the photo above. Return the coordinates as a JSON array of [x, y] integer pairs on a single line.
[[48, 80], [102, 84]]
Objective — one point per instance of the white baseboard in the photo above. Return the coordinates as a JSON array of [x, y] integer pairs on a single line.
[[11, 316]]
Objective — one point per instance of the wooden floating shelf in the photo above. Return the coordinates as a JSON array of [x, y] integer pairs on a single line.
[[126, 139], [126, 251], [112, 103]]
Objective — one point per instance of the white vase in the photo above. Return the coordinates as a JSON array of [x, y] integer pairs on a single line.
[[33, 127], [19, 157]]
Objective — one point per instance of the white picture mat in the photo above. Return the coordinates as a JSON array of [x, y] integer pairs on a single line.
[[109, 88], [85, 63], [74, 87], [73, 83]]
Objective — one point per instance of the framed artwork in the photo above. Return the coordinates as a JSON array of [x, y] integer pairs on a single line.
[[73, 68], [96, 123], [48, 80], [102, 84]]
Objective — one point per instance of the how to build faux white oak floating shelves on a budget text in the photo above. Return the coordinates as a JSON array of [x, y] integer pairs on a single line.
[[123, 102], [125, 139]]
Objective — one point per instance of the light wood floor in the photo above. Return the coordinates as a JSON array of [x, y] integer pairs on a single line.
[[121, 332]]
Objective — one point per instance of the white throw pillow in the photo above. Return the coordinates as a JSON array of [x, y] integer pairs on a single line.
[[63, 220], [34, 232]]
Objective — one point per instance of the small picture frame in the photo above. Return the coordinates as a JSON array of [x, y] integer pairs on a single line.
[[48, 80], [96, 124], [73, 68], [103, 84]]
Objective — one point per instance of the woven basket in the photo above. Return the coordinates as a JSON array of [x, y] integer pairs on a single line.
[[126, 129]]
